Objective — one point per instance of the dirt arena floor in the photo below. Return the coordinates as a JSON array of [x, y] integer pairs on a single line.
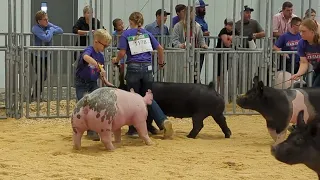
[[43, 149]]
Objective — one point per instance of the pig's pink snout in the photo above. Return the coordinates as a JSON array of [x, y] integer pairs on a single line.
[[148, 97]]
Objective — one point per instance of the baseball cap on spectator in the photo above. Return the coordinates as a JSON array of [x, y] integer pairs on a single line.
[[200, 3], [247, 8], [165, 13], [228, 21]]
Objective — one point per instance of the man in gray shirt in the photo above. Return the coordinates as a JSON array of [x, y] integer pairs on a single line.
[[250, 26]]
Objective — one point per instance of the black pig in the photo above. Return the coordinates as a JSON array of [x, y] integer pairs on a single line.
[[281, 106], [302, 146]]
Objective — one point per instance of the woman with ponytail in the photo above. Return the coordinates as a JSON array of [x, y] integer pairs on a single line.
[[309, 50], [138, 44]]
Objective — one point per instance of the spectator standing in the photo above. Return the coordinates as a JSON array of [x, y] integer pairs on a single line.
[[224, 41], [281, 21], [155, 27], [139, 69], [179, 35], [309, 51], [313, 17], [251, 27], [289, 42], [43, 32], [81, 27], [180, 11], [118, 30]]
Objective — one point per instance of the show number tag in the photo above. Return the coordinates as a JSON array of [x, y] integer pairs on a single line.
[[149, 68], [139, 44]]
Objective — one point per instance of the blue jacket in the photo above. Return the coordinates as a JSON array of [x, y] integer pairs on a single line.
[[43, 35]]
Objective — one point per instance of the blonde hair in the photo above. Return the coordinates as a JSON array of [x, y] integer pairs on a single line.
[[137, 18], [185, 20], [86, 9], [102, 34], [39, 15], [312, 26]]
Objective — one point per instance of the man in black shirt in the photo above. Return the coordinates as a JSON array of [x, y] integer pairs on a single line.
[[225, 35], [82, 28], [224, 41]]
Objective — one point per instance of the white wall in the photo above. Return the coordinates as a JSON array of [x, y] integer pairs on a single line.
[[217, 11]]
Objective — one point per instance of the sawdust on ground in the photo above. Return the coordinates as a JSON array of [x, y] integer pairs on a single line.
[[43, 149]]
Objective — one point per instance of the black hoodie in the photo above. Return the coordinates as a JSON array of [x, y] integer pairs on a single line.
[[82, 25]]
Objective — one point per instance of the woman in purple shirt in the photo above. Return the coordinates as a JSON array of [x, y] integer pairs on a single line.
[[309, 51], [138, 44]]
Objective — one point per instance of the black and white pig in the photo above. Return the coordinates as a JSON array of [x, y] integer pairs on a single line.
[[189, 100], [281, 106], [302, 146]]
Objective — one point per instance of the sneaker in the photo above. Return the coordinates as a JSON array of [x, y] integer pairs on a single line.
[[152, 129], [168, 131], [132, 133], [93, 136]]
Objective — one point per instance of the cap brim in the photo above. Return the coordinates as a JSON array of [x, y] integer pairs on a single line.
[[163, 14]]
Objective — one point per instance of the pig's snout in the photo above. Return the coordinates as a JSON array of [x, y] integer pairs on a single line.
[[273, 150]]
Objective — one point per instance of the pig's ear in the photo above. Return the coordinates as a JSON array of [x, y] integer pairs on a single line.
[[149, 91], [260, 87], [131, 90], [255, 81], [300, 120]]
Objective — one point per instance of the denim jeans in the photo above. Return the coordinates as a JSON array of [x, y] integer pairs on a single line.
[[140, 78], [42, 62], [85, 86], [155, 113]]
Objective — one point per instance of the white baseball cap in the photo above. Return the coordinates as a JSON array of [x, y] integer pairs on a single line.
[[200, 3]]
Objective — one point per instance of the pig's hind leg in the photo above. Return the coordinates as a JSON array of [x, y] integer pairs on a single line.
[[106, 135], [221, 121]]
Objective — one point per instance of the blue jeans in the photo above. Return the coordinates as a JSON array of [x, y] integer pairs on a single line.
[[85, 86], [140, 78], [156, 113], [316, 79]]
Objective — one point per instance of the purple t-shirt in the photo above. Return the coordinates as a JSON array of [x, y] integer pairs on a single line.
[[86, 71], [143, 57], [289, 42], [175, 20], [311, 52]]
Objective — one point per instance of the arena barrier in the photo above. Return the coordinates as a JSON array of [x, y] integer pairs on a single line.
[[181, 67]]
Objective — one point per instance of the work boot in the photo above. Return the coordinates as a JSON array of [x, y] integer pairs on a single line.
[[152, 129], [93, 135], [168, 130]]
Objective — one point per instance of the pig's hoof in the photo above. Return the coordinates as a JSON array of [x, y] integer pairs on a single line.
[[150, 143], [111, 148], [191, 136], [227, 135], [76, 148]]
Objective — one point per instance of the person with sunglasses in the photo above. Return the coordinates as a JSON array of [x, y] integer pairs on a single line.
[[89, 69]]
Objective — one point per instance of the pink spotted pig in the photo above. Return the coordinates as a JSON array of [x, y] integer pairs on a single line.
[[106, 110]]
